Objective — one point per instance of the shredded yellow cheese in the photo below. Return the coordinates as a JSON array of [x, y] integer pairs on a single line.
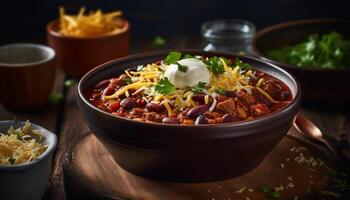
[[19, 146], [146, 77], [266, 95]]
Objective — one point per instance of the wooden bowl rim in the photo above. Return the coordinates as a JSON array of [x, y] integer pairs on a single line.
[[51, 30]]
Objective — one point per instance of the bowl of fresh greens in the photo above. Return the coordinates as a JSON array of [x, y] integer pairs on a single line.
[[316, 51]]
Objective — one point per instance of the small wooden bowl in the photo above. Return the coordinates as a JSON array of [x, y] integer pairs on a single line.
[[27, 74], [321, 86], [78, 55]]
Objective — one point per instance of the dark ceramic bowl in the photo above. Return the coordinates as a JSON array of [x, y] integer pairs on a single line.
[[186, 153], [319, 85]]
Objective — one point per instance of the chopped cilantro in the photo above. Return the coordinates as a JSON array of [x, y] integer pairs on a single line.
[[159, 41], [199, 88], [220, 91], [182, 68], [12, 160], [69, 83], [128, 80], [270, 193], [242, 65], [215, 65], [172, 57], [55, 97], [164, 86], [329, 50]]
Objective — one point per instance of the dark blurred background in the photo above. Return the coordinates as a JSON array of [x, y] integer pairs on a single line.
[[25, 20]]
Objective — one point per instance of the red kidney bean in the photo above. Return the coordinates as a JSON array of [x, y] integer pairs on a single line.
[[228, 118], [140, 103], [170, 120], [114, 106], [201, 120], [108, 91], [196, 111], [230, 94], [102, 84], [152, 107], [285, 95], [198, 98], [128, 103]]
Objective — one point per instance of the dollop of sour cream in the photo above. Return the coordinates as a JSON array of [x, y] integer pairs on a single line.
[[196, 72]]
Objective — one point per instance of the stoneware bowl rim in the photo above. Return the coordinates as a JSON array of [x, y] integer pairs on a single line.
[[112, 63], [51, 142], [51, 55], [53, 32], [280, 26]]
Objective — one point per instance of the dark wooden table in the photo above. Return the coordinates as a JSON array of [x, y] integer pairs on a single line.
[[66, 120]]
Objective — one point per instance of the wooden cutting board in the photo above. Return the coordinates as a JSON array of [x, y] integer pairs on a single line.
[[296, 169]]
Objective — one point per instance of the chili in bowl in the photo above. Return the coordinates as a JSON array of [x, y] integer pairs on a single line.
[[189, 115]]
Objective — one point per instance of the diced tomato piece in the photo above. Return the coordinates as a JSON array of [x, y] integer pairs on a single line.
[[114, 106]]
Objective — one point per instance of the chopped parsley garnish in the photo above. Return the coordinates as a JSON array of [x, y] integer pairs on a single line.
[[55, 97], [330, 50], [220, 91], [164, 86], [128, 80], [12, 160], [69, 83], [215, 65], [182, 68], [172, 57], [270, 193], [159, 41], [199, 88], [242, 65]]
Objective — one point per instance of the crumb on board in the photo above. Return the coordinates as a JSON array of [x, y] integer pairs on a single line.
[[279, 188], [289, 178], [250, 190], [209, 190], [240, 190], [282, 165], [290, 185]]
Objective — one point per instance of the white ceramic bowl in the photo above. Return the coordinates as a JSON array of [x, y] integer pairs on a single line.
[[27, 181]]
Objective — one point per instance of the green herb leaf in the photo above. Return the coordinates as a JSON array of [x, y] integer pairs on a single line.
[[274, 195], [159, 41], [182, 68], [69, 83], [199, 88], [128, 80], [265, 189], [164, 86], [172, 57], [330, 50], [55, 97], [220, 91], [270, 193], [12, 160], [215, 65], [242, 65]]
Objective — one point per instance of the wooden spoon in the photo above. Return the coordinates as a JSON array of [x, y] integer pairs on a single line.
[[309, 129]]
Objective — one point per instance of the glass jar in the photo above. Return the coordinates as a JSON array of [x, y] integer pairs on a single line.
[[230, 35]]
